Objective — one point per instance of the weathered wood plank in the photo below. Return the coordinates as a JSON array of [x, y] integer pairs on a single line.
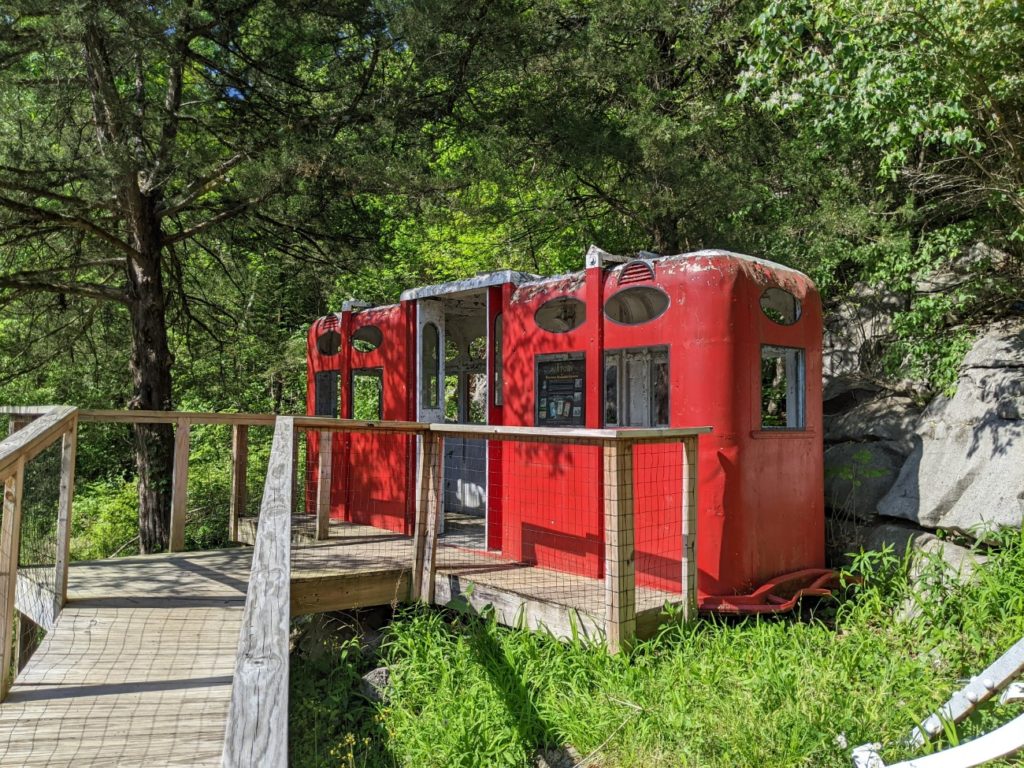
[[430, 500], [689, 532], [10, 539], [257, 730], [344, 591], [619, 564], [323, 484], [179, 487], [34, 438], [68, 455], [427, 484], [239, 477]]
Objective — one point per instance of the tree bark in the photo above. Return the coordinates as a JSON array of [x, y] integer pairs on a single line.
[[151, 370]]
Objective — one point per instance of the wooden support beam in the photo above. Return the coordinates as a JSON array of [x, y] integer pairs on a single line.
[[619, 563], [323, 483], [10, 540], [257, 729], [179, 487], [428, 515], [68, 453], [239, 477], [689, 531]]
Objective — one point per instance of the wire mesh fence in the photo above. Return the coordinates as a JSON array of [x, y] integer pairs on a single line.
[[573, 533]]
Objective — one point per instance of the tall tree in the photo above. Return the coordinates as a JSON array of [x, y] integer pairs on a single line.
[[136, 139]]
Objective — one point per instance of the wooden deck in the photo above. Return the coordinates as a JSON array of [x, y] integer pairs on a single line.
[[138, 669]]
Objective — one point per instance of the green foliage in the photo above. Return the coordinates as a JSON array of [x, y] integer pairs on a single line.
[[932, 85], [467, 692], [330, 722], [105, 520]]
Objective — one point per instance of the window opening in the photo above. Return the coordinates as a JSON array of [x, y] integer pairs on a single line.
[[326, 393], [430, 366], [636, 387], [367, 338], [611, 389], [477, 395], [780, 306], [451, 349], [478, 348], [498, 372], [328, 343], [632, 306], [367, 402], [782, 388], [561, 315], [451, 397]]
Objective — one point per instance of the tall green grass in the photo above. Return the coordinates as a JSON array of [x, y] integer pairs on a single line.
[[786, 691]]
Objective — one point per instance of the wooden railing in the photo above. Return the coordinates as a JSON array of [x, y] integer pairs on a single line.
[[182, 421], [257, 725], [25, 442]]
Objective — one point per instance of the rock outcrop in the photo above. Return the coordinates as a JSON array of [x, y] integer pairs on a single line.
[[966, 471]]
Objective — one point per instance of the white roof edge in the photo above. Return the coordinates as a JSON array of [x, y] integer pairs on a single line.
[[469, 284], [733, 254]]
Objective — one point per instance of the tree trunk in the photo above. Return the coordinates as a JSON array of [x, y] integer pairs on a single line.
[[151, 372], [665, 235]]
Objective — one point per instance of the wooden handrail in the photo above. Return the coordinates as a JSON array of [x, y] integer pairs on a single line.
[[31, 440], [330, 424], [40, 603], [257, 727]]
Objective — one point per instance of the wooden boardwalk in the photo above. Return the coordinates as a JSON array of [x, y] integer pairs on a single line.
[[138, 669]]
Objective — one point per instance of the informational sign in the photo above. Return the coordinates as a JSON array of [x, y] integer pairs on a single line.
[[561, 393]]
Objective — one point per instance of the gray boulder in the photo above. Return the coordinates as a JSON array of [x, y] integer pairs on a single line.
[[960, 561], [854, 334], [858, 475], [374, 684], [891, 418], [966, 471]]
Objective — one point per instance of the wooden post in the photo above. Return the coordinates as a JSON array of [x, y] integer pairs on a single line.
[[69, 449], [428, 515], [179, 487], [295, 472], [689, 531], [16, 423], [323, 484], [257, 722], [619, 565], [10, 541], [239, 477]]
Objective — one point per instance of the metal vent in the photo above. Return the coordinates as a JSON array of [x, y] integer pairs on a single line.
[[636, 272]]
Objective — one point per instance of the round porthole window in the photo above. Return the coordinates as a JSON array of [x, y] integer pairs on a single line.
[[367, 338], [633, 306], [561, 315], [328, 343], [780, 306]]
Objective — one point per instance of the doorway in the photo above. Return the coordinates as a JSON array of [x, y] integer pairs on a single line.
[[453, 389]]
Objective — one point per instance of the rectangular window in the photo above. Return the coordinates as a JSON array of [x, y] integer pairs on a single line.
[[782, 388], [636, 387], [367, 402], [326, 394], [477, 393], [611, 389]]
